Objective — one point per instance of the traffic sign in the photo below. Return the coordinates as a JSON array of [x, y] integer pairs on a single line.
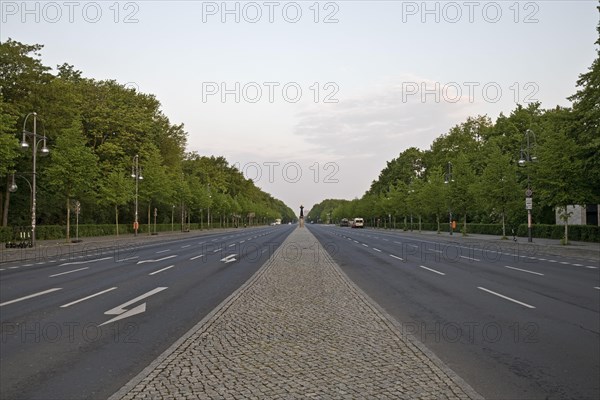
[[528, 193], [529, 203]]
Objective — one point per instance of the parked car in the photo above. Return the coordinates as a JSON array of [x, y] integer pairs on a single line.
[[345, 222]]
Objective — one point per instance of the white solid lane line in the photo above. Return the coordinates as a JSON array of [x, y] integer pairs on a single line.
[[29, 296], [88, 297], [193, 258], [68, 272], [161, 270], [85, 262], [505, 297], [153, 261], [524, 270], [431, 269]]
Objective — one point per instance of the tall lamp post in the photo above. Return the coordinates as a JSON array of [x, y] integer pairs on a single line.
[[136, 173], [36, 140], [448, 179], [527, 157]]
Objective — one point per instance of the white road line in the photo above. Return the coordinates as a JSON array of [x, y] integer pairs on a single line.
[[376, 249], [88, 297], [505, 297], [391, 255], [85, 262], [1, 269], [386, 240], [591, 267], [163, 251], [160, 259], [68, 272], [565, 263], [128, 258], [431, 269], [552, 261], [187, 245], [29, 265], [355, 241], [242, 241], [437, 251], [578, 265], [366, 245], [524, 270], [470, 258], [542, 259], [13, 267], [397, 242], [597, 287], [217, 250], [161, 270], [193, 258], [29, 296], [231, 245], [201, 242]]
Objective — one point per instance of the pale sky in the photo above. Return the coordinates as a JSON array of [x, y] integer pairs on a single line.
[[327, 92]]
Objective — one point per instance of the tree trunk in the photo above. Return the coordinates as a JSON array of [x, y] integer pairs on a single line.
[[149, 227], [117, 219], [503, 227], [6, 204], [566, 226], [437, 219], [68, 219], [419, 223], [465, 226]]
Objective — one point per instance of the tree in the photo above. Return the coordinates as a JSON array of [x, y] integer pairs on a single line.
[[73, 168], [115, 189], [9, 146], [498, 190], [557, 175], [433, 195], [586, 107], [460, 180]]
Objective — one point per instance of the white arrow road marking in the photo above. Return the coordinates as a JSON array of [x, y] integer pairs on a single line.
[[153, 261], [136, 310], [229, 258], [85, 262], [122, 312], [29, 297]]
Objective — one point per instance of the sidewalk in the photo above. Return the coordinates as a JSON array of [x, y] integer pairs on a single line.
[[93, 246], [299, 328], [587, 250]]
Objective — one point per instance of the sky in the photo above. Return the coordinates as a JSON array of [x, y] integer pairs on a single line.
[[311, 99]]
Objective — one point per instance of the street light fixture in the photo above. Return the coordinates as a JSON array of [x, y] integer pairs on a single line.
[[136, 173], [36, 140], [525, 158], [447, 179]]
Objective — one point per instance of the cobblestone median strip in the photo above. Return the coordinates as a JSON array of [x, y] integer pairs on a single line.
[[299, 328]]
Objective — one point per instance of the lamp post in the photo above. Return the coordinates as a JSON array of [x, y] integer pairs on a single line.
[[527, 157], [36, 139], [448, 179], [136, 173]]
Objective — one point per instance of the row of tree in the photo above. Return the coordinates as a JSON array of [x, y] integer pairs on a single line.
[[479, 170], [95, 129]]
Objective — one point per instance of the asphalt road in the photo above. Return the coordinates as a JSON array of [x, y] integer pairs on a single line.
[[80, 326], [514, 326]]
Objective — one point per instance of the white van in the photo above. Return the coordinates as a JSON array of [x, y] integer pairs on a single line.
[[358, 223]]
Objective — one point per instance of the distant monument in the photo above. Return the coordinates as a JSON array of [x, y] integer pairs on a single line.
[[301, 221]]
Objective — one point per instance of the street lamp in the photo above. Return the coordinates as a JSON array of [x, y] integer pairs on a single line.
[[525, 158], [36, 139], [447, 179], [136, 173]]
